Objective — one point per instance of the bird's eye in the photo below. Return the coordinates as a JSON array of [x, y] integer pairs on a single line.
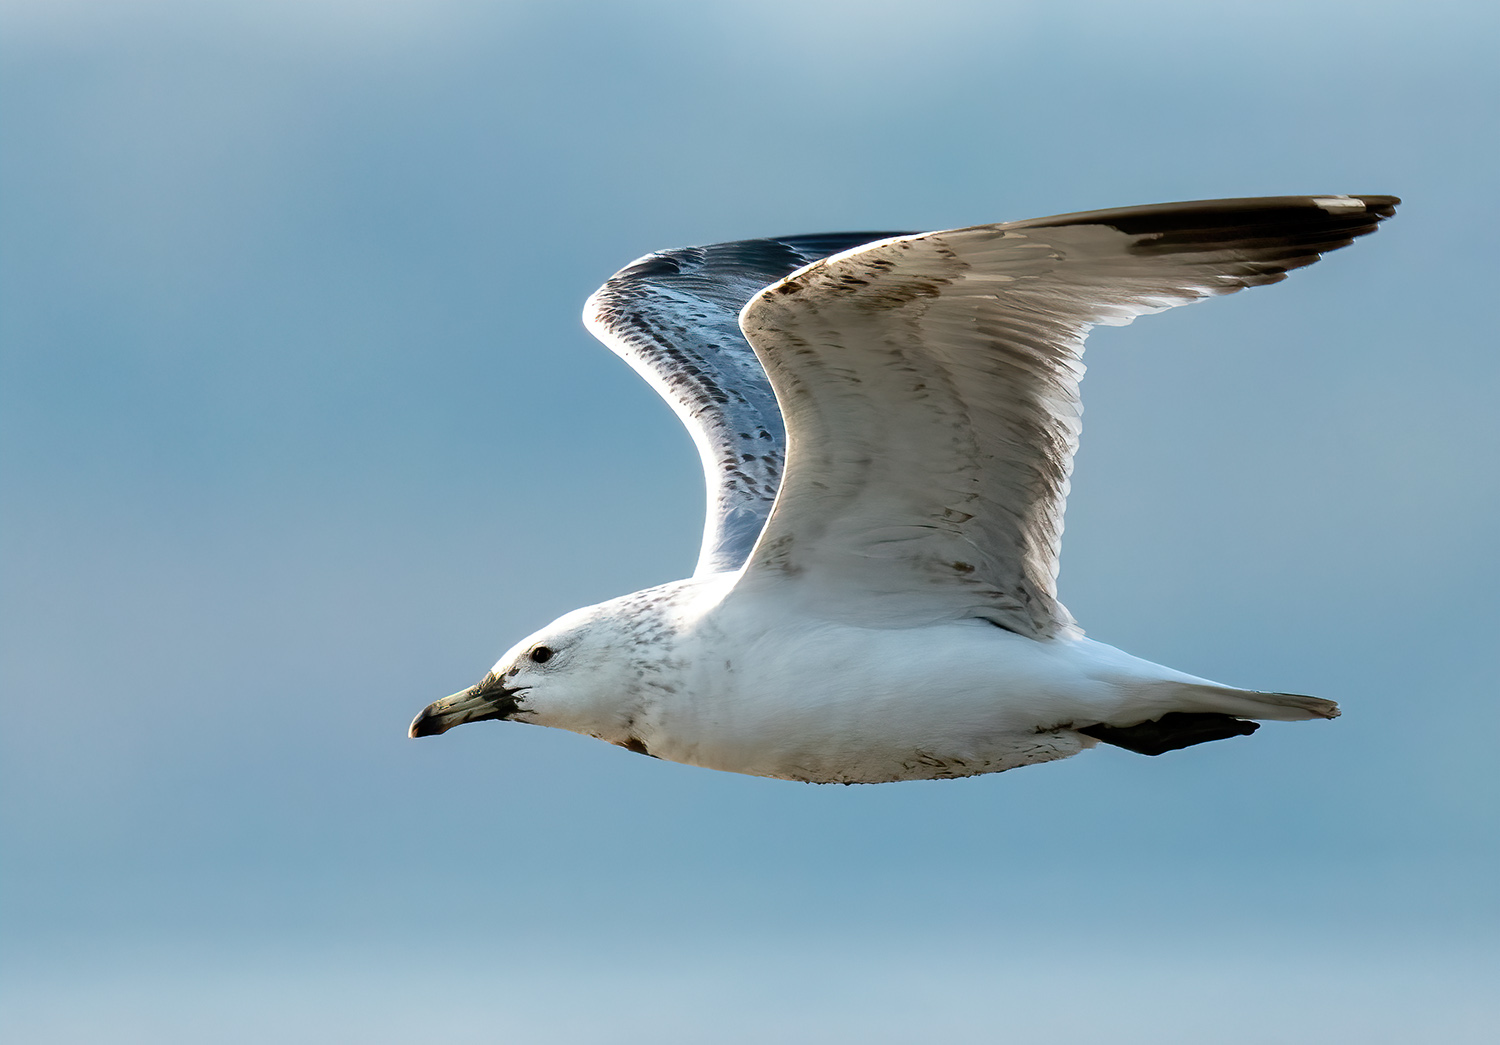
[[541, 654]]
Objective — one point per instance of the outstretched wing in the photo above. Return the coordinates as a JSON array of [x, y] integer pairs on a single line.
[[674, 317], [930, 390]]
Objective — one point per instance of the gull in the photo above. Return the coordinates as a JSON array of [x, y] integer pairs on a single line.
[[887, 424]]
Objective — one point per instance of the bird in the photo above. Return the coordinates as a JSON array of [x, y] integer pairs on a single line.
[[887, 423]]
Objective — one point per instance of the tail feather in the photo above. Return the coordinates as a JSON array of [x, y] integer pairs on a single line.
[[1249, 703], [1180, 714]]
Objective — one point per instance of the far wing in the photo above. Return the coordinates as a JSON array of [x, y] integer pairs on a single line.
[[930, 390], [674, 317]]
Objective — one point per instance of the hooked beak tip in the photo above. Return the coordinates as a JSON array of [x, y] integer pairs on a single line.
[[427, 724]]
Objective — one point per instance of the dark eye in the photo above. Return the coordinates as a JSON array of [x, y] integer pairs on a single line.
[[541, 654]]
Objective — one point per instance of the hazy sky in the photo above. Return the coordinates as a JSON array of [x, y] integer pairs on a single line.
[[301, 430]]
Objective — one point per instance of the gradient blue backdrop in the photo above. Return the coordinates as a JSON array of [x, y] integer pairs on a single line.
[[301, 430]]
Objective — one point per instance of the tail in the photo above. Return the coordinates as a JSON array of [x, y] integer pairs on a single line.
[[1196, 713]]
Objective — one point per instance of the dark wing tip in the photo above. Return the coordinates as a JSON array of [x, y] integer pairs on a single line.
[[1173, 731], [1267, 236], [1222, 214]]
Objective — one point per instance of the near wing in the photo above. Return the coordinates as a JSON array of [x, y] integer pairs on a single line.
[[674, 317], [930, 390]]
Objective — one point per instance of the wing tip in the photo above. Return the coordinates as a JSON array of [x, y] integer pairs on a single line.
[[1227, 213]]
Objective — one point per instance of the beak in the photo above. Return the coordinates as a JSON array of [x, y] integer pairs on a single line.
[[490, 699]]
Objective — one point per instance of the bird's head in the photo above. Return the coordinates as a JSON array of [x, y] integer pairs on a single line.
[[560, 676], [584, 672]]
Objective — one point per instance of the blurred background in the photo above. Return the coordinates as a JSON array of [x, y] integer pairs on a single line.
[[301, 430]]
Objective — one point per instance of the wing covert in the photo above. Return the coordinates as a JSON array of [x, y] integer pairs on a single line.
[[674, 317]]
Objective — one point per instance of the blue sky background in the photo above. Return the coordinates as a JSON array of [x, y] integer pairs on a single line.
[[301, 430]]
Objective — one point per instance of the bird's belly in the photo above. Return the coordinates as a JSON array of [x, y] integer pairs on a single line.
[[839, 705]]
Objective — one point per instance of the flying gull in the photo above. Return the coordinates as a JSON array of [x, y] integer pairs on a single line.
[[887, 422]]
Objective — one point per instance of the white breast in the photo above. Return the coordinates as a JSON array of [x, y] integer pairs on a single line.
[[806, 699]]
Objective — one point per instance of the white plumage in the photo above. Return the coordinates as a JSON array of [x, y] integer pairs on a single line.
[[888, 610]]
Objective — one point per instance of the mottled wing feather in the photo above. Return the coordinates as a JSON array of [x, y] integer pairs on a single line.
[[930, 389], [674, 317]]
